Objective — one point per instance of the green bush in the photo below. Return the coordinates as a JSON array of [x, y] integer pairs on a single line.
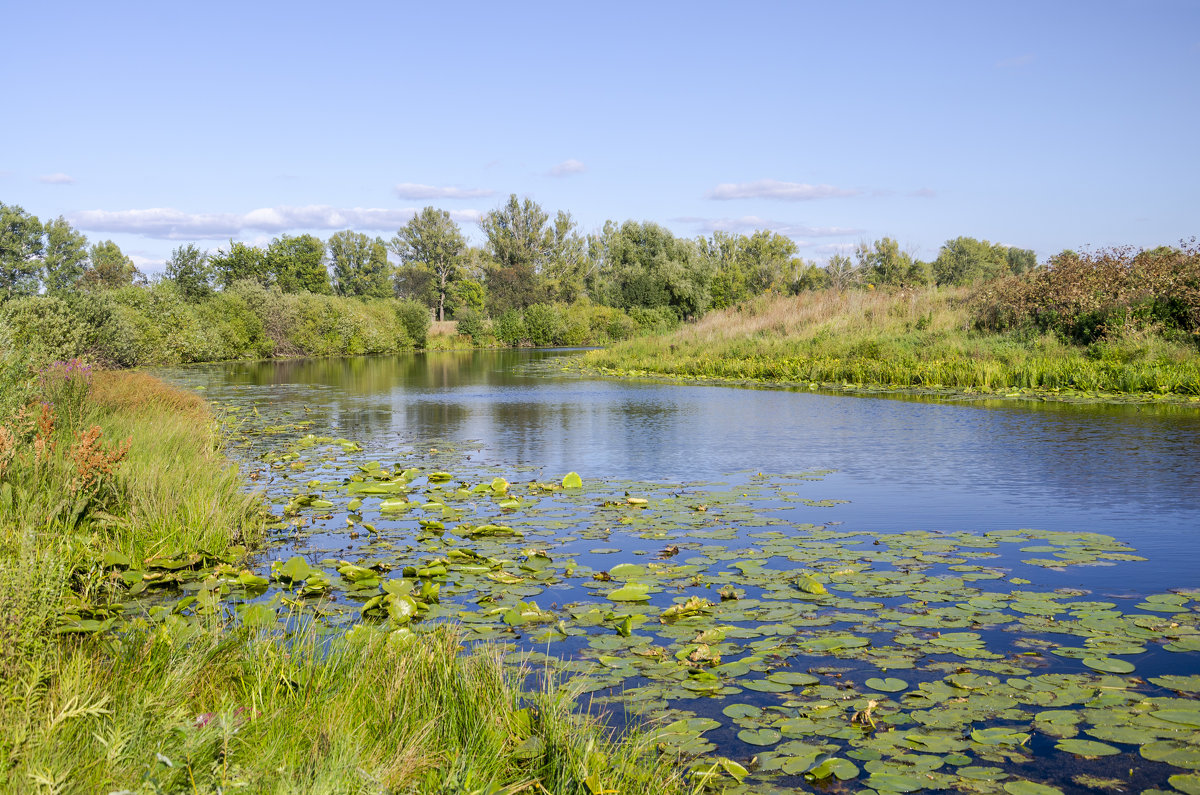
[[470, 321], [414, 317], [543, 325], [509, 328]]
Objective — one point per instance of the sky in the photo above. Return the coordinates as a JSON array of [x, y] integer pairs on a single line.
[[1045, 125]]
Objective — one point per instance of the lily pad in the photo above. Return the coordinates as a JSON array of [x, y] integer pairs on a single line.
[[888, 685]]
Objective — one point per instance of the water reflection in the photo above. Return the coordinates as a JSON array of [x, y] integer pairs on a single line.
[[904, 463]]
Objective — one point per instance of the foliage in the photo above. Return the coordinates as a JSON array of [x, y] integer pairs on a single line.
[[414, 317], [900, 339], [1101, 295], [966, 261], [239, 263], [191, 271], [297, 264], [360, 265], [470, 321], [20, 248], [432, 242], [543, 325], [509, 328], [65, 256]]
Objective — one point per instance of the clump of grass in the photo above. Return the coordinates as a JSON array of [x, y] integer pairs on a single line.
[[213, 711]]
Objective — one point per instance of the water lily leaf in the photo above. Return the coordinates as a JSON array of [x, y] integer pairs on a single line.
[[843, 769], [633, 592], [1186, 782], [1190, 684], [626, 571], [114, 559], [760, 736], [1086, 748], [1173, 753], [572, 481], [1187, 717], [999, 736], [1108, 665], [1022, 787], [896, 782], [888, 685]]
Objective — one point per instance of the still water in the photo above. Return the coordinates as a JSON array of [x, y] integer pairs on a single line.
[[907, 509], [901, 463]]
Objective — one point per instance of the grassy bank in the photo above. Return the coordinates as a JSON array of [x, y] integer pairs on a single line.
[[909, 339], [100, 470]]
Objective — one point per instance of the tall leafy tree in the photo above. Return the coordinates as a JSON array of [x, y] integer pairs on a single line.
[[965, 260], [191, 272], [882, 262], [297, 264], [65, 256], [20, 252], [108, 268], [360, 265], [240, 262], [649, 267], [432, 242], [519, 241]]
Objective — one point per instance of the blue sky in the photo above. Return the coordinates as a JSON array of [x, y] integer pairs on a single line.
[[1043, 124]]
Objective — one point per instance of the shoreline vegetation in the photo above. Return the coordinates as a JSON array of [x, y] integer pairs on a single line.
[[918, 341], [101, 471], [979, 318]]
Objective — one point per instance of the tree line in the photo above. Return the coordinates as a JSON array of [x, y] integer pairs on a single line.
[[528, 258]]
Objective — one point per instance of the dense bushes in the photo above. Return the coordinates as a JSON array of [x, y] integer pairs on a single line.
[[1101, 295], [155, 325]]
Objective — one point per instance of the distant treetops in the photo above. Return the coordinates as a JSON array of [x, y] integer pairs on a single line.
[[527, 258]]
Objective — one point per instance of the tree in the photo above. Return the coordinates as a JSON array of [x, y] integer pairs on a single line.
[[360, 265], [65, 256], [1020, 260], [882, 262], [108, 268], [965, 260], [20, 249], [297, 264], [649, 267], [432, 242], [521, 242], [191, 272], [518, 235], [238, 263], [842, 273]]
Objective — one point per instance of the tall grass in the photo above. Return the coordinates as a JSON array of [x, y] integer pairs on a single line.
[[925, 338], [95, 463]]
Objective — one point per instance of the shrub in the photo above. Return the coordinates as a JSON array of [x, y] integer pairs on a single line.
[[509, 328], [1094, 296], [543, 324], [414, 317], [470, 321]]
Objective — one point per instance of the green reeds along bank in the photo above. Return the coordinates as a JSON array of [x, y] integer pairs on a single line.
[[118, 465], [911, 339]]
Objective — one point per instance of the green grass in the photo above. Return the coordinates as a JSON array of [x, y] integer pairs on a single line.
[[902, 340], [195, 704]]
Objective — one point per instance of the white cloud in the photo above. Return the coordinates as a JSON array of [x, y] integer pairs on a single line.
[[751, 223], [57, 179], [1019, 60], [566, 168], [774, 189], [416, 192], [169, 224], [923, 193]]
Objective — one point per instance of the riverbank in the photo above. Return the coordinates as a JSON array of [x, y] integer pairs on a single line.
[[912, 340], [112, 482]]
